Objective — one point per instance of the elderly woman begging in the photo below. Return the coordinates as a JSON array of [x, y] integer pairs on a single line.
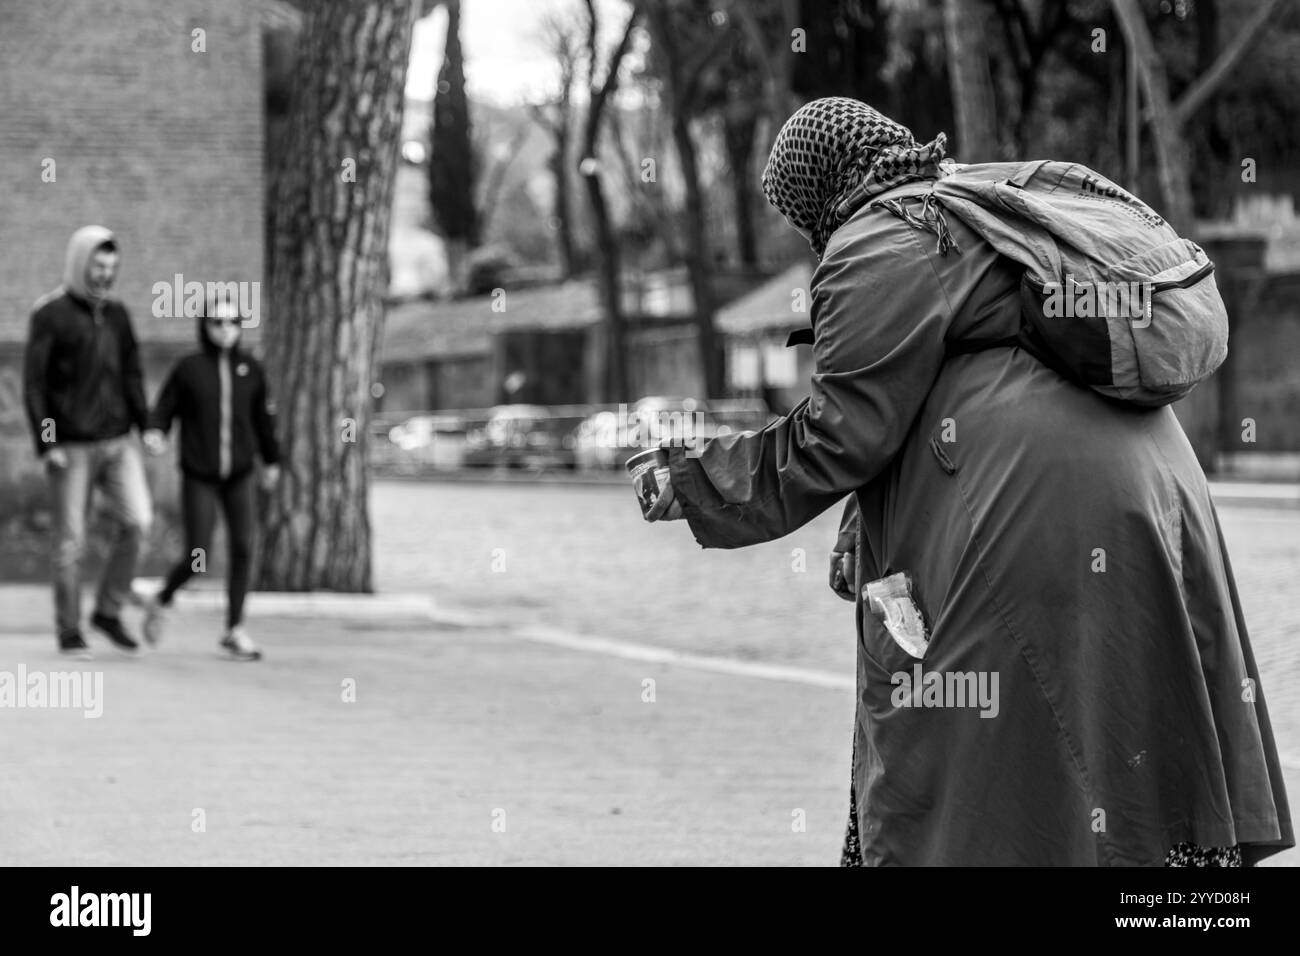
[[1052, 663]]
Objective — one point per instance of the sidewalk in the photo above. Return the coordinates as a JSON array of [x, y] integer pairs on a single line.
[[452, 727], [456, 723]]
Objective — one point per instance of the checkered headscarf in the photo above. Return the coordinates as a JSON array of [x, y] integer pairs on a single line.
[[835, 153]]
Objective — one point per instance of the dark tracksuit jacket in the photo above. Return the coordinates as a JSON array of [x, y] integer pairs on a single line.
[[225, 409], [81, 368]]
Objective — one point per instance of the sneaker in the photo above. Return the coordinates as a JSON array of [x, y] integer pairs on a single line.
[[111, 627], [239, 645], [155, 620], [72, 644]]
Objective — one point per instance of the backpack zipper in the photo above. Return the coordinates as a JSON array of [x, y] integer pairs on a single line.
[[1183, 283], [1156, 287]]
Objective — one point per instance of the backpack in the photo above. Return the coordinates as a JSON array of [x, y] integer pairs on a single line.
[[1111, 296]]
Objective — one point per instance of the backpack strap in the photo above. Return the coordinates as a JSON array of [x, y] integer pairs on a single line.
[[1027, 338]]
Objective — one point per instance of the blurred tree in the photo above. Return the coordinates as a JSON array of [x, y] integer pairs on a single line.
[[653, 225], [768, 28], [561, 37], [327, 269], [888, 53], [1031, 30], [739, 126], [739, 95], [451, 155], [1167, 117], [688, 38], [499, 158], [846, 46], [972, 85], [598, 96]]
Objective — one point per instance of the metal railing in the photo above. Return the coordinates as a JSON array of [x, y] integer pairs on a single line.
[[541, 438]]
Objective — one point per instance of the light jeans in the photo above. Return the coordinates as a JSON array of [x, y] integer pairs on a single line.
[[116, 467]]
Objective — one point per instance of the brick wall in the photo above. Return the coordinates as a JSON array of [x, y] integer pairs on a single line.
[[161, 144]]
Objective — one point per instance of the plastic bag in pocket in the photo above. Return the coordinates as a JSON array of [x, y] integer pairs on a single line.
[[891, 601]]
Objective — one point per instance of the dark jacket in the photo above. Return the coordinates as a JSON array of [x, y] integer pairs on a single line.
[[81, 369], [1063, 543], [207, 389]]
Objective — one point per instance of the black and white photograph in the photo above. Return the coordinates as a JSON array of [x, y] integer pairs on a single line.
[[649, 433]]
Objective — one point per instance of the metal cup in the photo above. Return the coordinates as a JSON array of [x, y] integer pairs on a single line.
[[649, 471]]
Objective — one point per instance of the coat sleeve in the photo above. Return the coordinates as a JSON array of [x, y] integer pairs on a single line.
[[847, 540], [268, 445], [880, 315], [133, 375], [165, 408], [36, 363]]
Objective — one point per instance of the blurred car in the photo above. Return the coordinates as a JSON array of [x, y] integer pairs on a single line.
[[520, 436], [600, 441], [414, 152], [423, 430], [607, 439]]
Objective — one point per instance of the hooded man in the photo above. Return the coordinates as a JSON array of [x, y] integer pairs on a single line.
[[84, 391]]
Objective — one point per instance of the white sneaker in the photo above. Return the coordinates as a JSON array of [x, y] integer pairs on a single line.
[[155, 620], [239, 645]]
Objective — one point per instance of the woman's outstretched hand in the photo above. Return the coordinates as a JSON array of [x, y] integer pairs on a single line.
[[666, 506]]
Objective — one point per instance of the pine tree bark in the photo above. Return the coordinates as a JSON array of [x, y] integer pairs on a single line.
[[328, 269]]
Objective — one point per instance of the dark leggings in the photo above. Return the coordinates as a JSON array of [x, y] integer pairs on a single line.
[[199, 500]]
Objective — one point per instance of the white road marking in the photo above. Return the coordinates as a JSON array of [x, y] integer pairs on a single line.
[[664, 655]]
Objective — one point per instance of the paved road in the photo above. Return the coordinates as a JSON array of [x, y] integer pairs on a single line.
[[582, 558], [455, 727]]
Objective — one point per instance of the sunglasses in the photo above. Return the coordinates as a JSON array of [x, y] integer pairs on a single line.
[[223, 321]]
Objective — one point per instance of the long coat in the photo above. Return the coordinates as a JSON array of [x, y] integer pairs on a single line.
[[1088, 694]]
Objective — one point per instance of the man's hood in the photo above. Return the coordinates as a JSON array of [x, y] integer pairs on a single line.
[[80, 248]]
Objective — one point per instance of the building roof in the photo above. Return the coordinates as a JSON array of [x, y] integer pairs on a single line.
[[771, 307], [418, 330], [423, 329]]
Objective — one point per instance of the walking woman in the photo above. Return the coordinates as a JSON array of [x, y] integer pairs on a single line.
[[1054, 548], [220, 396]]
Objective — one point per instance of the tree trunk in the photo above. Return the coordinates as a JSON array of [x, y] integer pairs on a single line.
[[1196, 95], [564, 221], [739, 132], [610, 292], [972, 86], [327, 270], [615, 352], [1167, 137], [699, 262]]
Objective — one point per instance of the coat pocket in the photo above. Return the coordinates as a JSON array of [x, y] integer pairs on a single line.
[[895, 632]]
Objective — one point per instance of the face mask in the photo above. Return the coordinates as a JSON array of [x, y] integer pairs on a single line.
[[224, 333]]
